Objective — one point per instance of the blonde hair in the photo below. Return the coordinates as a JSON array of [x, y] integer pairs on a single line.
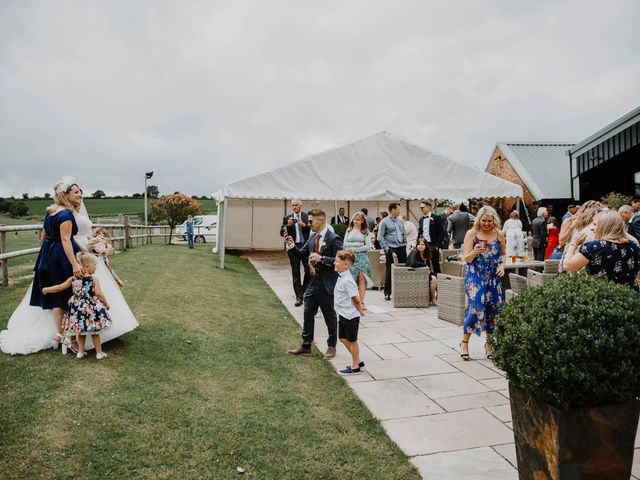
[[85, 259], [490, 212], [60, 197], [584, 215], [364, 227], [609, 226], [347, 255]]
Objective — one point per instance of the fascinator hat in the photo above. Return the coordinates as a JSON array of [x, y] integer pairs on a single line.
[[64, 184]]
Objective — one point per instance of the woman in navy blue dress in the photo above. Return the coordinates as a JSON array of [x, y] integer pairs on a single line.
[[56, 261], [484, 251], [613, 255]]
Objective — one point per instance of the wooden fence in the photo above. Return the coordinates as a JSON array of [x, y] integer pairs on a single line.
[[123, 236]]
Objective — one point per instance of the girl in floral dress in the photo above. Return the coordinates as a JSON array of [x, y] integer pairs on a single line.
[[484, 251], [87, 310]]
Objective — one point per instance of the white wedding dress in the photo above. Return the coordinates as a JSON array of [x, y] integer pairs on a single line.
[[31, 329]]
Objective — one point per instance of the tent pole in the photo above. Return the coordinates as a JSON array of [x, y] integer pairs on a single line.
[[335, 208], [222, 231]]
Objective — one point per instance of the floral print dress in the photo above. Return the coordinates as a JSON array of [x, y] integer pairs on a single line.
[[484, 292], [619, 262], [85, 314]]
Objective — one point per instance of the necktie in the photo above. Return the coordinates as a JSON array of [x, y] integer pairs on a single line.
[[297, 227], [317, 243]]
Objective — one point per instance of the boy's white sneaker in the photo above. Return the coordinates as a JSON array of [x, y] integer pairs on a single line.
[[101, 355], [81, 354]]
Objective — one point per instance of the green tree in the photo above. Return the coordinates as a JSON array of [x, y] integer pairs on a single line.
[[152, 191], [18, 209], [47, 195], [98, 194], [173, 209], [616, 200], [25, 196]]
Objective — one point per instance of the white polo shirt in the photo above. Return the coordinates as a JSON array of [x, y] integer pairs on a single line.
[[346, 288]]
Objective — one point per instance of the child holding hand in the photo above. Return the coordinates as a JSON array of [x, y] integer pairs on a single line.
[[346, 302], [100, 243], [87, 310]]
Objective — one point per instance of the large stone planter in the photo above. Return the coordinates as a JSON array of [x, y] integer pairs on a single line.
[[588, 443]]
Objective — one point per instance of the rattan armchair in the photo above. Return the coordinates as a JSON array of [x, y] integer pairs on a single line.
[[378, 270], [536, 278], [409, 286]]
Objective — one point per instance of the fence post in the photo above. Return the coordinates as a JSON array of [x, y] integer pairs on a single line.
[[5, 270], [127, 232]]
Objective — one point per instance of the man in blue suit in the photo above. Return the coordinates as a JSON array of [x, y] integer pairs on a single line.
[[296, 226], [321, 248]]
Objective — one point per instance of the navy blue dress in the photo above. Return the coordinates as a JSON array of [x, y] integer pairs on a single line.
[[619, 262], [53, 266]]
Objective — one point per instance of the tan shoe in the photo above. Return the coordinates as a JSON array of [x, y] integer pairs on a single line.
[[300, 351], [330, 353]]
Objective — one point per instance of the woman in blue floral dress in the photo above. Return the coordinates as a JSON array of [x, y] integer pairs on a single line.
[[484, 251], [87, 310], [358, 240], [614, 254]]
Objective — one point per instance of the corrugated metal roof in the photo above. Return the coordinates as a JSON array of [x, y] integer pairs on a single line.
[[607, 132], [542, 166]]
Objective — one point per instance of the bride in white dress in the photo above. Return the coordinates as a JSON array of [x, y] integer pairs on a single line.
[[31, 329]]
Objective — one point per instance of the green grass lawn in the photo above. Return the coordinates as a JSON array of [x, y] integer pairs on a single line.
[[202, 387], [110, 206]]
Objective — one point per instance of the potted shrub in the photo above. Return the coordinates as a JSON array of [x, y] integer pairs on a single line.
[[571, 351]]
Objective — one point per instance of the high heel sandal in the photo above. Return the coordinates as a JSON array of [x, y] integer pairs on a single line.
[[464, 356], [489, 355]]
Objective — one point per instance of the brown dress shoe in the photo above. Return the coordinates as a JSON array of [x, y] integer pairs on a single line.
[[330, 353], [300, 351]]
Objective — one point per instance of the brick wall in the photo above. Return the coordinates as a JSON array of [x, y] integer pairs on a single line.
[[500, 167]]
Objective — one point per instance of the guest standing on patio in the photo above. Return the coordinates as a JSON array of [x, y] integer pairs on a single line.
[[514, 236], [392, 240], [484, 250], [295, 225], [358, 240], [321, 249], [539, 233], [433, 230], [553, 232], [614, 254], [458, 224]]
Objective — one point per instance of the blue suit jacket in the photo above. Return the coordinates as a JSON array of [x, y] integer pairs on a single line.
[[325, 276]]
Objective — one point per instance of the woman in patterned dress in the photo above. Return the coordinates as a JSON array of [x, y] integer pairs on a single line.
[[484, 251], [614, 254], [358, 240]]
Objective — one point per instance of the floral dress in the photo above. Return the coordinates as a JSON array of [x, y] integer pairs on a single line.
[[85, 314], [484, 292], [360, 244], [619, 262]]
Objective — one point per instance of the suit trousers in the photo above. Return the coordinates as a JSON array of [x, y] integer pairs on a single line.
[[435, 258], [316, 296], [401, 252], [539, 253], [298, 284]]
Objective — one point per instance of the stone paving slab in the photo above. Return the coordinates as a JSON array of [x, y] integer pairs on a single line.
[[473, 464], [447, 432], [451, 417]]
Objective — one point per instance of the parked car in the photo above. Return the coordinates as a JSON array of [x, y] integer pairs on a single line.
[[205, 228]]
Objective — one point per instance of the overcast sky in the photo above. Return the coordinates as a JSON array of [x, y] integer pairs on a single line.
[[207, 92]]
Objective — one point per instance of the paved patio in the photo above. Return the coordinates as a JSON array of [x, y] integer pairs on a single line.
[[451, 418]]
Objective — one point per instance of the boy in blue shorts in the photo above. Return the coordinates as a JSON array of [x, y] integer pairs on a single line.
[[346, 302]]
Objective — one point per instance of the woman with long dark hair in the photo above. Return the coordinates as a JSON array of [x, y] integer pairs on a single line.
[[419, 257]]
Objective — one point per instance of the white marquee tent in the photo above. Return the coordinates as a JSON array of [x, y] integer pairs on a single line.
[[367, 173]]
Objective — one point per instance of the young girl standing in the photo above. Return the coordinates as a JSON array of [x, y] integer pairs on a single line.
[[87, 310]]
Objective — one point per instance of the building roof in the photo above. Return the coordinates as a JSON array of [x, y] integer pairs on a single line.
[[379, 167], [542, 166], [607, 132]]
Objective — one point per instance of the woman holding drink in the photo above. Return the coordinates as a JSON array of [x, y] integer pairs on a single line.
[[484, 250]]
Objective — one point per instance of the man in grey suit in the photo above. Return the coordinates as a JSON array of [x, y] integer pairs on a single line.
[[539, 233], [459, 222]]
